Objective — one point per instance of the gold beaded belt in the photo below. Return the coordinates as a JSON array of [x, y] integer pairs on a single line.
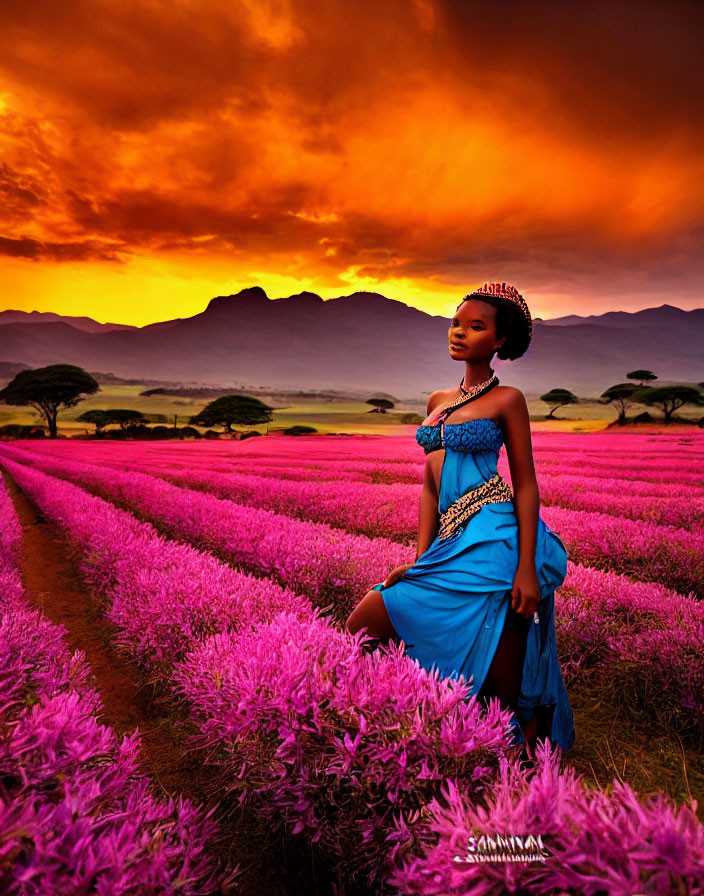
[[493, 491]]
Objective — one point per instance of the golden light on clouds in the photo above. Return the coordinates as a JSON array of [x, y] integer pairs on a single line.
[[155, 154]]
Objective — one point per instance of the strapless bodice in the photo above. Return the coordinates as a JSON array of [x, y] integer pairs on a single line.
[[481, 434]]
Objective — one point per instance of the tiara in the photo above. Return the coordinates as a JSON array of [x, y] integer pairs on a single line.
[[504, 291]]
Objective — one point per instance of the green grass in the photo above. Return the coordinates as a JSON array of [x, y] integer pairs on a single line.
[[327, 416]]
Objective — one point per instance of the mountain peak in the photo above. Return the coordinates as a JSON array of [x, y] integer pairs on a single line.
[[364, 299], [250, 294], [667, 307], [302, 298]]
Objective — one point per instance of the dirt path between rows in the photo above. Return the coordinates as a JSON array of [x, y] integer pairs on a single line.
[[52, 583]]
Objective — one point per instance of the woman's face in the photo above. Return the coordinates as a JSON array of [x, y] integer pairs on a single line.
[[472, 332]]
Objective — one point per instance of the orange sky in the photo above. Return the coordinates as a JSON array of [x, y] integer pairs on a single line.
[[156, 153]]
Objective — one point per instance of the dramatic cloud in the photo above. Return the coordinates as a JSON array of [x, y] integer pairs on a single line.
[[157, 152]]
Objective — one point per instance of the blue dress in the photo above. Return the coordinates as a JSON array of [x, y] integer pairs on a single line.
[[450, 606]]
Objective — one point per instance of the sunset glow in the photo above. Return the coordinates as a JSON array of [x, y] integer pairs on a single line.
[[156, 154]]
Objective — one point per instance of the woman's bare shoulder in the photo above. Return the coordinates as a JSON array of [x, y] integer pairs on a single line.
[[510, 401], [509, 395], [440, 396]]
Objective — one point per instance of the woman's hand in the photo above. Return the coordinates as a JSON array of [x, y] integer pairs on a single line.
[[525, 593], [396, 574]]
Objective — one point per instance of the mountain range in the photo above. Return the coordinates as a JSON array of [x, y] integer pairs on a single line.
[[359, 345]]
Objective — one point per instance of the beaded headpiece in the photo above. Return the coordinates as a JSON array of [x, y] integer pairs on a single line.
[[506, 291]]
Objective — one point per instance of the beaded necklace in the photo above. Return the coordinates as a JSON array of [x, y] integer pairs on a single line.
[[465, 396]]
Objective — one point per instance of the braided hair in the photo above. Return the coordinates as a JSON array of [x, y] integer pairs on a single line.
[[513, 319]]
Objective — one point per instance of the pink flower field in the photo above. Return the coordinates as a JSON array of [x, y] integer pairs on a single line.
[[225, 571]]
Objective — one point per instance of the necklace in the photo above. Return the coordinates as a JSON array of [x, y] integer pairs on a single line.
[[473, 392], [477, 387], [465, 396]]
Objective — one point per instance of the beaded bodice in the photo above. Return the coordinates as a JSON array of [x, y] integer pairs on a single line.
[[482, 434]]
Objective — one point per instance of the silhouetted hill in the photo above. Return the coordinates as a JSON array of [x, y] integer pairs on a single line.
[[361, 343], [10, 369], [664, 315], [87, 324]]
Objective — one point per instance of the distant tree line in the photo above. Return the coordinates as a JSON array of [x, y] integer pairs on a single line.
[[47, 389], [623, 396]]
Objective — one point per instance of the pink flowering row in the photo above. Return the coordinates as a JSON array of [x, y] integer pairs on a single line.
[[203, 596], [374, 510], [642, 550], [620, 464], [294, 715], [352, 747], [348, 466], [598, 448], [574, 840], [208, 534], [399, 459], [658, 502], [663, 504], [637, 642], [408, 466], [598, 639], [357, 469], [289, 549], [661, 488], [599, 633], [391, 510], [327, 565], [77, 814]]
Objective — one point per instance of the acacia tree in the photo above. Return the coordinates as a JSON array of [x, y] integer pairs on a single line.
[[558, 398], [669, 398], [97, 417], [47, 388], [641, 376], [620, 396], [124, 416], [241, 410], [381, 405]]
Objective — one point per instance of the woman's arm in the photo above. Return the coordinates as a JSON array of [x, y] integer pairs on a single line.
[[428, 514], [428, 522], [519, 450]]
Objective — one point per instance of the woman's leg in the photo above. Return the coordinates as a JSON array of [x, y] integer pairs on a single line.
[[371, 613], [505, 673]]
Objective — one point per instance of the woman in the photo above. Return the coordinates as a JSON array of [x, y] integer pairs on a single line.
[[479, 598]]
